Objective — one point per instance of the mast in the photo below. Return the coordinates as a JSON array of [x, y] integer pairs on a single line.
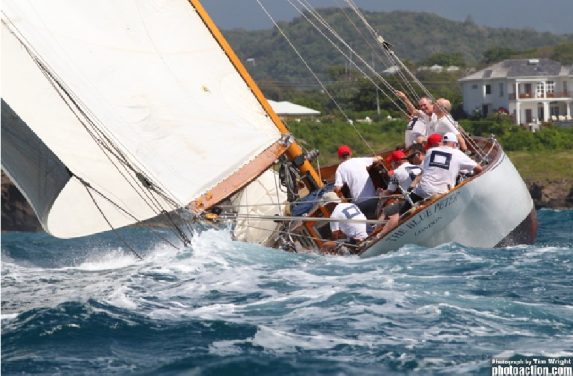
[[293, 152]]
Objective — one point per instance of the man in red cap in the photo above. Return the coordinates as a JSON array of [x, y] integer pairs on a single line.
[[404, 174], [353, 172], [434, 140]]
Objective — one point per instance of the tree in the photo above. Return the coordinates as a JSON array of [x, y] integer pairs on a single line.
[[497, 54], [446, 60], [564, 53]]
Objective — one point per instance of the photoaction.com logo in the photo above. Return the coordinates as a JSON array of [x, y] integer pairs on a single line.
[[532, 366]]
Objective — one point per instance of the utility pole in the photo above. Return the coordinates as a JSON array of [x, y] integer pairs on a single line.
[[375, 87]]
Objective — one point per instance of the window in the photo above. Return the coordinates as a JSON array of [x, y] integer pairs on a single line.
[[501, 89], [475, 87], [539, 88], [550, 87], [487, 89], [554, 111], [565, 87]]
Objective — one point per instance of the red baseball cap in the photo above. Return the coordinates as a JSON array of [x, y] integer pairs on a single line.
[[433, 139], [343, 150], [396, 156]]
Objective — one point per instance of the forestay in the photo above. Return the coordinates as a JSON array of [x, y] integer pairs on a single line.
[[152, 80]]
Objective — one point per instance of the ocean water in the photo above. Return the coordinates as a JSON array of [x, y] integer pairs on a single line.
[[219, 307]]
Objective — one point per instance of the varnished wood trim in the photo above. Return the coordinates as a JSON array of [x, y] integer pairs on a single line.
[[239, 179]]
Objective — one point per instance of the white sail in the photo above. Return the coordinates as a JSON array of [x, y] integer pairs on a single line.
[[152, 79], [261, 198]]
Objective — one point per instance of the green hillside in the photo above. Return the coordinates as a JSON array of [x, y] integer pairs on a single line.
[[415, 37]]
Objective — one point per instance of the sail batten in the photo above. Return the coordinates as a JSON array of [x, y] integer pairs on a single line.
[[142, 87]]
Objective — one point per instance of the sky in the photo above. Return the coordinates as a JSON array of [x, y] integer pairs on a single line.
[[555, 16]]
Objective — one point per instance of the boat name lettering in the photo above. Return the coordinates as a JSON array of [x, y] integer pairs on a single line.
[[396, 235], [428, 226], [448, 201], [423, 215]]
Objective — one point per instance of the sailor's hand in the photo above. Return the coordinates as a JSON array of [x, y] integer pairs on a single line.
[[410, 189], [468, 152], [399, 94]]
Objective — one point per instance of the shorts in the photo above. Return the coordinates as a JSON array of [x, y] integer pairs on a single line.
[[368, 207], [393, 208], [415, 198]]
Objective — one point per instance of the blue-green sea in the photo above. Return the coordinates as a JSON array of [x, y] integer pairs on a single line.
[[220, 307]]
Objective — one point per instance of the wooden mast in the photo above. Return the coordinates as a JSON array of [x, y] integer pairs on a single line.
[[293, 150]]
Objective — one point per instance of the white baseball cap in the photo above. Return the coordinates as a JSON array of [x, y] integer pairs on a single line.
[[449, 137], [329, 197]]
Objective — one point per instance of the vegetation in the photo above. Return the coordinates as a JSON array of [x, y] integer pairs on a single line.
[[420, 38], [544, 155]]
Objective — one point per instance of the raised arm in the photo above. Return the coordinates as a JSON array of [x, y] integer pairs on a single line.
[[411, 109]]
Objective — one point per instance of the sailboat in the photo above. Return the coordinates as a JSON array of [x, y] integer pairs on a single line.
[[116, 112]]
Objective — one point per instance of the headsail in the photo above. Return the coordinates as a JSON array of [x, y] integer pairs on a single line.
[[128, 96]]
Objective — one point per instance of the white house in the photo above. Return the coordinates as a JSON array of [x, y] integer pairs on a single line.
[[289, 109], [529, 89]]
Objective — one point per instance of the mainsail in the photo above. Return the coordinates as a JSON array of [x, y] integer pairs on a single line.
[[137, 99]]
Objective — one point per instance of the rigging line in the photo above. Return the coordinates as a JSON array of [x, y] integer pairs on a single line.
[[466, 137], [390, 55], [103, 140], [320, 82], [387, 51], [334, 33], [182, 236], [86, 184], [378, 76], [374, 52], [303, 60], [91, 129], [56, 84], [325, 24], [99, 137], [332, 98], [276, 179], [275, 218], [339, 242], [87, 187], [312, 201]]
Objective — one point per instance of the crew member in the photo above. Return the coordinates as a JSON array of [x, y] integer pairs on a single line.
[[345, 229], [353, 172], [440, 169]]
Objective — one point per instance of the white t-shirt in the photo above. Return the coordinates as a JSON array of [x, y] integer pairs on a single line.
[[346, 210], [353, 172], [415, 128], [440, 169], [446, 124], [403, 176], [430, 122]]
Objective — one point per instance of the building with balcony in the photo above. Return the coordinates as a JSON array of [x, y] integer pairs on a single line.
[[531, 90]]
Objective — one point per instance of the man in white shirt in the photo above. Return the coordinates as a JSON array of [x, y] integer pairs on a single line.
[[440, 169], [353, 172], [425, 113], [353, 232], [404, 174], [445, 122], [415, 132]]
